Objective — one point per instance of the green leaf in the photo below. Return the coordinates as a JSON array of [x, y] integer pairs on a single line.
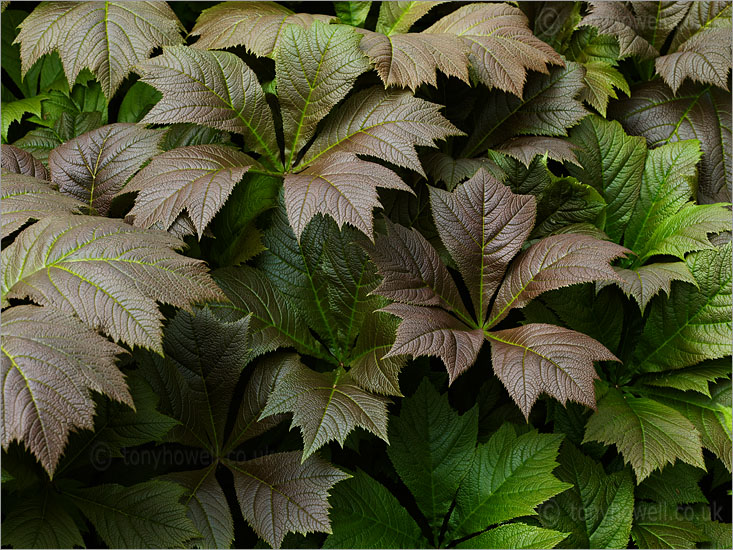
[[663, 527], [615, 19], [644, 282], [676, 484], [611, 162], [694, 324], [515, 535], [96, 36], [431, 448], [366, 515], [146, 514], [138, 101], [647, 433], [315, 68], [352, 13], [398, 17], [510, 475], [565, 201], [13, 111], [598, 510], [214, 89], [695, 378], [370, 369], [326, 406], [41, 521]]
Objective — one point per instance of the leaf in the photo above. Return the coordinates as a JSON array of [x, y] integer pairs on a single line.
[[369, 368], [515, 535], [703, 56], [663, 527], [273, 323], [315, 68], [207, 507], [483, 225], [366, 515], [658, 19], [96, 37], [279, 494], [615, 19], [25, 198], [409, 60], [435, 332], [431, 448], [548, 108], [646, 281], [214, 89], [539, 358], [525, 149], [717, 533], [553, 262], [255, 25], [20, 162], [13, 111], [352, 13], [138, 101], [106, 272], [444, 168], [398, 17], [509, 476], [598, 509], [326, 406], [695, 378], [677, 484], [565, 202], [694, 324], [501, 45], [655, 112], [611, 162], [412, 272], [96, 165], [340, 185], [198, 178], [145, 514], [50, 362], [647, 433], [41, 521], [386, 124]]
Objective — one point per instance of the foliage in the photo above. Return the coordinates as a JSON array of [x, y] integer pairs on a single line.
[[252, 256]]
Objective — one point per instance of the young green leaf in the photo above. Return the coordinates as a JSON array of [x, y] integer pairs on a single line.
[[13, 111], [515, 535], [398, 17], [352, 13]]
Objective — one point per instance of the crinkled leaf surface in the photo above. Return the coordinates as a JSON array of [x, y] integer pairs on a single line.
[[109, 38], [614, 18], [18, 161], [370, 369], [214, 89], [50, 362], [386, 124], [106, 272], [526, 148], [26, 198], [647, 433], [279, 494], [663, 527], [95, 166], [677, 484], [564, 202], [515, 535], [326, 406], [199, 178], [695, 378], [646, 281], [258, 26]]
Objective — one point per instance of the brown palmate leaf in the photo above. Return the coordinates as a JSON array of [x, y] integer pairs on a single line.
[[214, 89], [646, 281], [697, 15], [409, 60], [340, 185], [655, 112], [386, 124], [526, 148], [433, 331], [315, 69], [21, 162], [279, 494], [539, 358], [269, 371], [106, 272], [554, 262], [198, 178], [501, 44], [50, 362], [326, 406], [96, 165], [704, 56], [258, 26], [396, 17], [412, 271], [24, 198], [657, 19], [615, 19], [107, 37], [483, 225]]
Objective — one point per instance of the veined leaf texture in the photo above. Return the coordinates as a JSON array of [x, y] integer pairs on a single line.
[[356, 274]]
